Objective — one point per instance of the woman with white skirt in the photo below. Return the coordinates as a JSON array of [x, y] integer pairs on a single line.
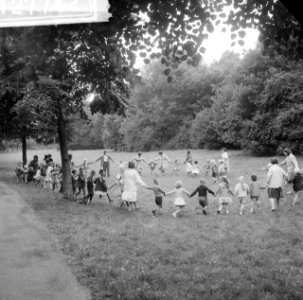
[[131, 180]]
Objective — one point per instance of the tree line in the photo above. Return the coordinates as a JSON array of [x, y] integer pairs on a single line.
[[253, 103]]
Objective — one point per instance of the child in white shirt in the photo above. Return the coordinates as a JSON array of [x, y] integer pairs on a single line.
[[242, 191]]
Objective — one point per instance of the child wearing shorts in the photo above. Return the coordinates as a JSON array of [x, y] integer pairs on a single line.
[[158, 193], [101, 187], [242, 191], [255, 192], [179, 201], [202, 191]]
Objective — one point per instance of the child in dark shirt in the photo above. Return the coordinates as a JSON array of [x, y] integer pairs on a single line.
[[297, 181], [81, 182], [101, 187], [74, 178], [158, 192], [202, 191], [90, 188]]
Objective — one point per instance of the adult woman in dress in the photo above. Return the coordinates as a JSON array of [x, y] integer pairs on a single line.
[[131, 181]]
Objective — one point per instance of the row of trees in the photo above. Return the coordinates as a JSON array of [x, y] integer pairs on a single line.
[[254, 103]]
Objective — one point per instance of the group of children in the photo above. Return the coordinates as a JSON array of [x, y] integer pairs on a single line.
[[242, 191]]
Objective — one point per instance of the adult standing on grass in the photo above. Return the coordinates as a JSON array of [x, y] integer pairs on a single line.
[[274, 180], [105, 163], [131, 180], [291, 164]]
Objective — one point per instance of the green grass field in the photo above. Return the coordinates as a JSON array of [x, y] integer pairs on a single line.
[[119, 254]]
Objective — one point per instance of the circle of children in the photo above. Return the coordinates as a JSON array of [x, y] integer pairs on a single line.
[[85, 182]]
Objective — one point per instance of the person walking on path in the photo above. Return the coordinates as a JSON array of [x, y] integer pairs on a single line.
[[105, 163], [274, 180], [131, 180]]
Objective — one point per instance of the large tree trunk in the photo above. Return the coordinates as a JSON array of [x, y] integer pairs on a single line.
[[24, 150], [66, 173]]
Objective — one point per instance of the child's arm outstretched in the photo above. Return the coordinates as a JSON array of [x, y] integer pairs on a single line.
[[170, 192]]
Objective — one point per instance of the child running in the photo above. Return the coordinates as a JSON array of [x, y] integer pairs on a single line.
[[255, 192], [158, 192], [101, 187], [225, 192], [242, 191], [202, 191], [179, 201]]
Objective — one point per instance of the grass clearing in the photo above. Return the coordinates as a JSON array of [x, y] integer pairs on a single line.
[[133, 255]]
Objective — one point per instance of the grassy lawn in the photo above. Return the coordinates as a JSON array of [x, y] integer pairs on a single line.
[[133, 255]]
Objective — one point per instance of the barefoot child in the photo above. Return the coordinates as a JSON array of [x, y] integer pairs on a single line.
[[202, 191], [120, 184], [225, 192], [179, 201], [214, 170], [255, 192], [158, 192], [242, 192]]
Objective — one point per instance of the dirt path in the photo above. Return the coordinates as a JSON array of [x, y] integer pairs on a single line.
[[30, 269]]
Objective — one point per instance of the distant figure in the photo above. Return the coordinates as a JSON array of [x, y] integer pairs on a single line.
[[138, 159], [164, 160], [274, 180], [196, 169], [105, 163], [188, 158], [242, 192], [225, 158], [20, 172]]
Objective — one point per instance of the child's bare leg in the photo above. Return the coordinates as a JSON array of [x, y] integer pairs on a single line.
[[219, 209], [252, 205], [295, 198], [226, 208], [178, 211], [272, 202], [241, 206]]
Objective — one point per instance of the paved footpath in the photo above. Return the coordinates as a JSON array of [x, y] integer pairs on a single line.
[[29, 267]]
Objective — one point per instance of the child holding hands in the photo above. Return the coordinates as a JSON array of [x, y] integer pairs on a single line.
[[202, 191], [179, 201], [242, 191], [158, 193]]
